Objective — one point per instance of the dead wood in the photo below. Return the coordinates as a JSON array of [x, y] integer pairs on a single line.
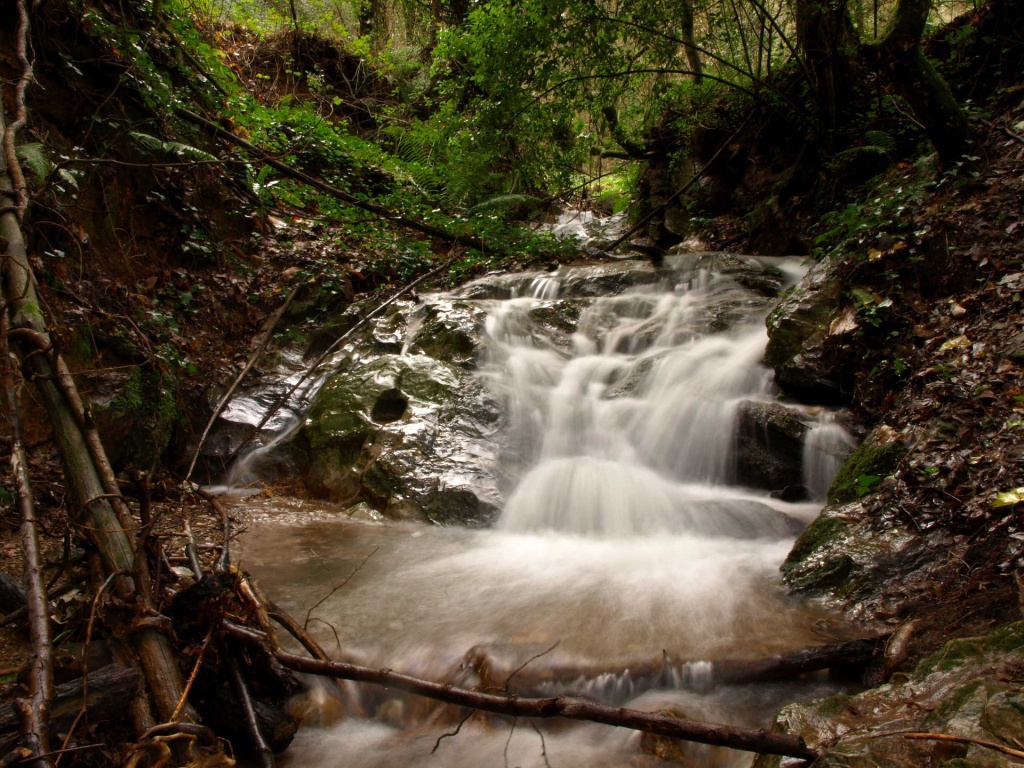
[[90, 497], [572, 708], [36, 710], [470, 241], [110, 690], [267, 334]]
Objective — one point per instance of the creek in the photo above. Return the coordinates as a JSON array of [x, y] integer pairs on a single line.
[[619, 533]]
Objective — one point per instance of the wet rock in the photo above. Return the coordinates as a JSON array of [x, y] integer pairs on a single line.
[[451, 331], [769, 445], [409, 436], [964, 690], [797, 334], [748, 272]]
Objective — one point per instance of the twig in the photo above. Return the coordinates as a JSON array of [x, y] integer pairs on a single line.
[[964, 740], [452, 734], [543, 745], [238, 379], [192, 677], [330, 594], [529, 661], [242, 691]]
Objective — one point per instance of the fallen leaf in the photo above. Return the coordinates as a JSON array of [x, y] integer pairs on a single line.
[[959, 342]]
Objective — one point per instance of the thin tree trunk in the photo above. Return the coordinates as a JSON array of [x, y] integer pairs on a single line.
[[92, 507], [36, 710]]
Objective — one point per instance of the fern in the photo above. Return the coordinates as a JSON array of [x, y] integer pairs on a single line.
[[33, 157], [157, 146], [875, 143]]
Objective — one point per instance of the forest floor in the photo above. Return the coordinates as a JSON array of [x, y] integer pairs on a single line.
[[937, 354]]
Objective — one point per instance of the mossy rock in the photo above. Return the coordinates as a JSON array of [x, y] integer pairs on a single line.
[[870, 462], [452, 332]]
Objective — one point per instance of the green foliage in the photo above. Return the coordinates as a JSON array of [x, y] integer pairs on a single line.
[[174, 149], [33, 157]]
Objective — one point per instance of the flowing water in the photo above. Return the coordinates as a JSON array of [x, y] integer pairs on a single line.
[[627, 558]]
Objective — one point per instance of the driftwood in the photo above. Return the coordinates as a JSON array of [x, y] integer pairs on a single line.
[[569, 707], [110, 689], [663, 672], [470, 241]]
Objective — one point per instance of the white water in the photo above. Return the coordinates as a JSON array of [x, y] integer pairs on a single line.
[[622, 541]]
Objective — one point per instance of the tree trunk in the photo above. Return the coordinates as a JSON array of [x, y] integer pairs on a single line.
[[898, 57], [91, 504], [690, 43], [827, 39]]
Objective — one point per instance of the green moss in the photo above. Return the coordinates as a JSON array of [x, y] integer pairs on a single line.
[[867, 464], [814, 537], [150, 404]]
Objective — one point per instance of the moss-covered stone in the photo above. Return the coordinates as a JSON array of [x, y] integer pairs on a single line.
[[871, 461]]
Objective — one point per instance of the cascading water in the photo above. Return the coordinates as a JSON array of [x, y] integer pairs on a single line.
[[625, 538]]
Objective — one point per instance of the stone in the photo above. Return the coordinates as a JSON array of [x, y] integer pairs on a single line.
[[769, 445], [961, 690], [407, 435], [797, 336]]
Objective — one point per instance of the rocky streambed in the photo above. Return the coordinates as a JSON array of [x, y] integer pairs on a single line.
[[421, 422]]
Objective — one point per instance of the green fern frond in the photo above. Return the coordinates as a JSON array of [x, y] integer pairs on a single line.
[[157, 146], [33, 157]]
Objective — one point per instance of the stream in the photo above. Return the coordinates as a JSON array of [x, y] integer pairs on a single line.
[[618, 537]]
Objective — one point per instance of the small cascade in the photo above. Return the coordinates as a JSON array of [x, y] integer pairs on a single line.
[[826, 447], [626, 561]]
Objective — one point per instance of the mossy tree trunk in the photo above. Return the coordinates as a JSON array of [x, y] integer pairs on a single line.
[[827, 39], [898, 57]]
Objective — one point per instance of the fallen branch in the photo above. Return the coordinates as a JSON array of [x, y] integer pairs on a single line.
[[572, 708], [238, 379], [470, 241], [964, 740], [35, 711]]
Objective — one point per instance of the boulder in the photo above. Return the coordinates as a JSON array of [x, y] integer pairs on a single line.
[[798, 329], [408, 435], [769, 446], [964, 690]]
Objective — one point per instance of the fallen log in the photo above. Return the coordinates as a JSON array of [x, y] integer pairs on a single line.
[[110, 689], [504, 671], [569, 707]]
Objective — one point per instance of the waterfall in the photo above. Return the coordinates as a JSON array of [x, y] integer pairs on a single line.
[[627, 561], [631, 429]]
